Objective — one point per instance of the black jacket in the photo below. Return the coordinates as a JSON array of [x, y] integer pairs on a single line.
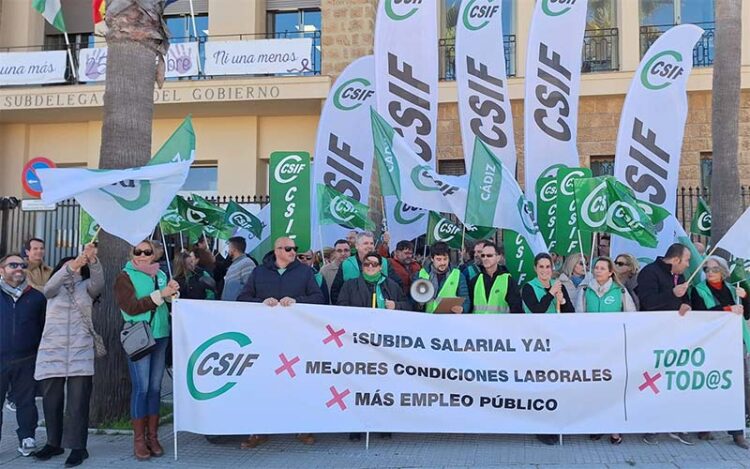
[[723, 298], [357, 292], [197, 285], [512, 296], [338, 281], [21, 325], [297, 281], [655, 284], [528, 296]]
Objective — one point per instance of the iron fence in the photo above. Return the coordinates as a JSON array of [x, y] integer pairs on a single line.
[[600, 50], [703, 52], [60, 227], [447, 56]]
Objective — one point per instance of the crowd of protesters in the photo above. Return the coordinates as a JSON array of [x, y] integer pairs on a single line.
[[48, 343]]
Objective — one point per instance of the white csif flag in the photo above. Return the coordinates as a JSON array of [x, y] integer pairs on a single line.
[[126, 203], [737, 240]]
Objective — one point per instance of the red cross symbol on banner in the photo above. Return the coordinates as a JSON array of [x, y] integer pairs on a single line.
[[338, 398], [334, 336], [286, 365], [650, 382]]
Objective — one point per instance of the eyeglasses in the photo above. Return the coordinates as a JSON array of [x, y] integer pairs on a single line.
[[621, 264], [288, 248], [304, 258], [145, 252], [370, 264], [487, 255], [712, 270], [17, 265]]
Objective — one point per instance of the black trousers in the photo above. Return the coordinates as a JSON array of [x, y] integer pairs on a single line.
[[19, 375], [67, 413]]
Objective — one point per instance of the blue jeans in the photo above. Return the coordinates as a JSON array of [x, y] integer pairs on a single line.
[[146, 375]]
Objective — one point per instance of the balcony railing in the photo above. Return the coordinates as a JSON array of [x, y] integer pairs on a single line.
[[312, 69], [703, 52], [447, 54], [601, 50]]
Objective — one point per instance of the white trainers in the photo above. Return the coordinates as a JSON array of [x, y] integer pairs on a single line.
[[11, 406], [28, 446], [683, 438]]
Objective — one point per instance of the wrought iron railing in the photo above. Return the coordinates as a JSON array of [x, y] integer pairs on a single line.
[[447, 55], [703, 52], [601, 50]]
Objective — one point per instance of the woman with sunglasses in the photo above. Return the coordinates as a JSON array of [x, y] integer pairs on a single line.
[[141, 292], [716, 294], [372, 289], [627, 267], [66, 355], [195, 283]]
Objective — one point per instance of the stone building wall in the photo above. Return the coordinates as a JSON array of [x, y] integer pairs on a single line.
[[348, 32]]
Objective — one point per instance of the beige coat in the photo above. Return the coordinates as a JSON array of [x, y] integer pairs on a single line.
[[67, 347]]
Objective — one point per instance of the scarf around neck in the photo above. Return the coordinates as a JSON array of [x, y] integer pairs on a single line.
[[14, 292]]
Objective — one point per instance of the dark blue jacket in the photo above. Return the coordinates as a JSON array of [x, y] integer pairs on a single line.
[[297, 281], [21, 325]]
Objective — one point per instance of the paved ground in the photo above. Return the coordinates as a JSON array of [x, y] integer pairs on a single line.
[[402, 451]]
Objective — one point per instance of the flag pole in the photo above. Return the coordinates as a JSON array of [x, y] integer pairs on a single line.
[[593, 247], [580, 245], [96, 235], [166, 251], [195, 31], [320, 238], [182, 243], [463, 240], [698, 269], [70, 56]]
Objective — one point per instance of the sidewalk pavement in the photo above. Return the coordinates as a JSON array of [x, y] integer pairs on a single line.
[[403, 450]]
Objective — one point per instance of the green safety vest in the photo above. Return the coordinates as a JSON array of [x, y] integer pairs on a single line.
[[496, 302], [611, 302], [350, 268], [540, 291], [708, 298], [448, 290], [144, 285]]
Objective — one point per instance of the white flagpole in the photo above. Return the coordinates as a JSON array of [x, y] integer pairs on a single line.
[[195, 32], [70, 56], [166, 251]]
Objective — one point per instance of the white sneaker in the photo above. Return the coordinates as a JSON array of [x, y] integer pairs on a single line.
[[683, 438], [28, 447], [11, 406]]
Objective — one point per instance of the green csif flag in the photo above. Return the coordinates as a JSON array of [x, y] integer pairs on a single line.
[[740, 274], [568, 233], [237, 216], [519, 258], [335, 208], [546, 209], [290, 193], [605, 205], [174, 221], [87, 228], [443, 229], [701, 223]]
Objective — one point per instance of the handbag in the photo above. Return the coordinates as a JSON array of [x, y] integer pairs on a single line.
[[137, 338]]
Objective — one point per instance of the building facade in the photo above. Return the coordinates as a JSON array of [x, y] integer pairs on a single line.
[[240, 120]]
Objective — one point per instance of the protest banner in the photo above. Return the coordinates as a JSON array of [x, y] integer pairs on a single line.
[[253, 369]]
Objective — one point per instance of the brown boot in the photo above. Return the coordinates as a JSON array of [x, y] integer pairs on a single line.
[[139, 440], [152, 437]]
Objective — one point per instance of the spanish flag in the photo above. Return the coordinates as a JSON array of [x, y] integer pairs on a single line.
[[98, 7]]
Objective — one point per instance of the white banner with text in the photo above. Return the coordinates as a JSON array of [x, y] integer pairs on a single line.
[[260, 56], [181, 61], [242, 368], [32, 68]]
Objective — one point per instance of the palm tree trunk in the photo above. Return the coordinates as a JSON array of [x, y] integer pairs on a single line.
[[126, 142], [726, 205]]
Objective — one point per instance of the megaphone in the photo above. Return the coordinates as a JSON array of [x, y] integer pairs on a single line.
[[422, 291]]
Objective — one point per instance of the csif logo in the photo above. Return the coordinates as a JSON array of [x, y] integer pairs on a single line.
[[444, 230], [422, 179], [704, 221], [662, 70], [406, 214], [548, 193], [399, 10], [288, 169], [557, 7], [526, 210], [478, 13], [195, 216], [566, 185], [219, 363], [241, 220], [352, 94], [609, 300], [341, 209], [125, 194]]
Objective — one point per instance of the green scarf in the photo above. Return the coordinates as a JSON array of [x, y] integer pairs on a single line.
[[376, 280]]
